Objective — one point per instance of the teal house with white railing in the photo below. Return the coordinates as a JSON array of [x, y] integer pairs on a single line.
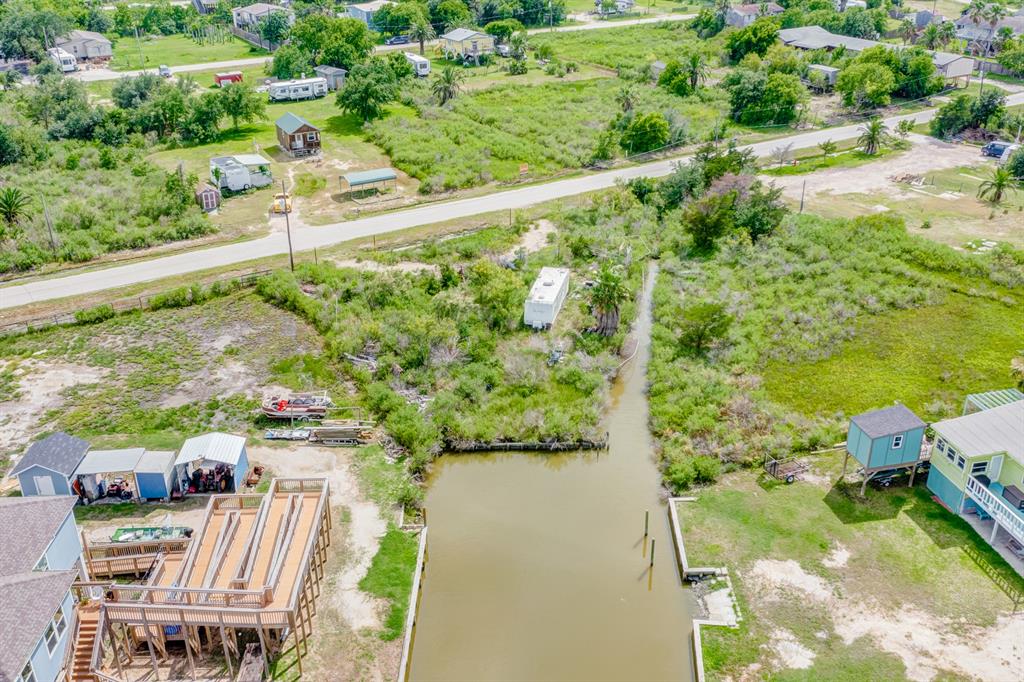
[[977, 471]]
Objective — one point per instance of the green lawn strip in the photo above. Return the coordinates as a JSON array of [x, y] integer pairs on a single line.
[[129, 511], [177, 50], [904, 549], [815, 162], [386, 483], [390, 577], [926, 358]]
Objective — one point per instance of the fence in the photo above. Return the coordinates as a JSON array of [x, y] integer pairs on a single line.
[[119, 306], [993, 67], [254, 39]]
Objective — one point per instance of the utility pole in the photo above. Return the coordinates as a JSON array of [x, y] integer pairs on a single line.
[[802, 191], [49, 225], [288, 227], [981, 86], [138, 44]]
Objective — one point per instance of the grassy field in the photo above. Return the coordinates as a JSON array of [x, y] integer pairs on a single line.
[[390, 577], [630, 46], [176, 50], [488, 134], [809, 163], [864, 572]]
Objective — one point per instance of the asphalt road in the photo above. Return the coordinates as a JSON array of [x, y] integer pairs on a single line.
[[327, 235], [108, 74]]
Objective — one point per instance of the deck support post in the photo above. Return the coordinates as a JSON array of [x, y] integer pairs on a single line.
[[263, 643], [149, 645], [913, 472], [846, 458], [113, 647], [864, 484], [995, 531], [127, 648], [227, 654], [295, 633]]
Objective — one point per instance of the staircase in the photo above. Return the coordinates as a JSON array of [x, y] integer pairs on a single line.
[[85, 639]]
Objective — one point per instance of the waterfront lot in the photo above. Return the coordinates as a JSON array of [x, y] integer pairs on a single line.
[[831, 586]]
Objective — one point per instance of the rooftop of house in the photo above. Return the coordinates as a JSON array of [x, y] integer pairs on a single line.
[[816, 38], [27, 527], [225, 448], [79, 34], [242, 159], [260, 8], [888, 421], [461, 34], [290, 122], [999, 429], [58, 452], [330, 70], [754, 8], [371, 6], [27, 603], [547, 285], [990, 399]]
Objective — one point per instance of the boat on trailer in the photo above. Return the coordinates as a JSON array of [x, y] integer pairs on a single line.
[[300, 406]]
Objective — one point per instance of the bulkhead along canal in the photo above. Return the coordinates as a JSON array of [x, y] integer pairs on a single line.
[[536, 566]]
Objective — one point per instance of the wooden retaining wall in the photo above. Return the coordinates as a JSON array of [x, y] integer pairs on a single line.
[[414, 604], [529, 446]]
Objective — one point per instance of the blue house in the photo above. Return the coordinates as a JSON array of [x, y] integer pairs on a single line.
[[885, 439], [48, 465], [40, 558], [209, 454]]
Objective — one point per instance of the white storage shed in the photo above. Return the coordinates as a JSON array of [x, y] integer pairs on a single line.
[[546, 297]]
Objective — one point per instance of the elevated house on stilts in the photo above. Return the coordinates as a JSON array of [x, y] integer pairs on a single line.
[[251, 574]]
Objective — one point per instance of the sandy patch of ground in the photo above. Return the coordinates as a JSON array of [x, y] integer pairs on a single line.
[[926, 644], [374, 266], [40, 385], [99, 531], [228, 378], [365, 528], [926, 155], [535, 238], [837, 558], [789, 652]]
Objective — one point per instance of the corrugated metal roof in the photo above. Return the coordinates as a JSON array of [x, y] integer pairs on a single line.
[[27, 527], [888, 421], [109, 461], [370, 176], [461, 34], [27, 603], [215, 447], [155, 462], [251, 160], [290, 122], [999, 429], [58, 452], [990, 399]]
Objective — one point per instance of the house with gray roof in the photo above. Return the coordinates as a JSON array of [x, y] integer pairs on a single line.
[[48, 465], [40, 558], [86, 45], [296, 135], [466, 43], [885, 440]]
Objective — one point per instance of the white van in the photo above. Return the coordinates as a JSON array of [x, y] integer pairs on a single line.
[[420, 65]]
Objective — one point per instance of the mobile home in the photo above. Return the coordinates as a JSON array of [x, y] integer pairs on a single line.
[[240, 172], [65, 61], [420, 65], [303, 88], [546, 297]]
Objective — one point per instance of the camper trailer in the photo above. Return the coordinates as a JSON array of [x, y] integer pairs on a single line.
[[420, 65], [240, 172], [65, 61], [303, 88]]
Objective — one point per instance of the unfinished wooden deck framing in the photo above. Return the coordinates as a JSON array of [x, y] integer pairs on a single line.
[[255, 563]]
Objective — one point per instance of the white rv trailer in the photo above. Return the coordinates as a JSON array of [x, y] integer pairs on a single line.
[[546, 297], [65, 61], [302, 88], [240, 172], [420, 65]]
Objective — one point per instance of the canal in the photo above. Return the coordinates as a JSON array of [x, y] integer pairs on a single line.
[[536, 566]]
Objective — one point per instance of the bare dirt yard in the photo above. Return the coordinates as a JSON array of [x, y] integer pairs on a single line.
[[933, 186]]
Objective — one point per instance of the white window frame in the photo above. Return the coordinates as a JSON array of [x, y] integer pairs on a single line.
[[897, 441], [940, 445], [310, 137], [28, 673], [983, 470], [55, 629], [960, 461]]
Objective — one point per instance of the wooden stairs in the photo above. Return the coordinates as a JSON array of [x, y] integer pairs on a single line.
[[88, 622]]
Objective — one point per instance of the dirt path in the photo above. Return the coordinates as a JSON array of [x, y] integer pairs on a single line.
[[926, 155], [365, 528], [535, 238], [374, 266]]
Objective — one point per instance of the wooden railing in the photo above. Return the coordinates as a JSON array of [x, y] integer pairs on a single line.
[[1000, 511], [247, 560], [177, 596], [311, 541], [69, 649], [122, 549]]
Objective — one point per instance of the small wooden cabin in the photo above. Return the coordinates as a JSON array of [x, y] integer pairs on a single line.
[[297, 136], [885, 439]]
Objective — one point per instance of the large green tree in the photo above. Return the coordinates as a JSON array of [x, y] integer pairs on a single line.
[[340, 42], [368, 88], [240, 102], [756, 38], [866, 85]]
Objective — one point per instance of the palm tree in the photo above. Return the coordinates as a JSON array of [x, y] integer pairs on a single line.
[[976, 11], [873, 135], [947, 33], [996, 186], [13, 206], [930, 37], [517, 45], [606, 296], [421, 31], [994, 13], [627, 98], [827, 148], [908, 31], [448, 84], [695, 66]]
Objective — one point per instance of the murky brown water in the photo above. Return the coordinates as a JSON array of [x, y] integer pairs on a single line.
[[535, 565]]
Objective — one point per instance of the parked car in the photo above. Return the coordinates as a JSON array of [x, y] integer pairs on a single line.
[[397, 40], [165, 71], [282, 203], [503, 50], [995, 149]]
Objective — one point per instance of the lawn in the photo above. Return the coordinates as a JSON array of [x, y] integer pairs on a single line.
[[926, 358], [487, 135], [390, 577], [809, 163], [849, 583], [628, 47], [177, 50]]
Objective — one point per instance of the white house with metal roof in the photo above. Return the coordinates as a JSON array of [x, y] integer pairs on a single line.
[[364, 11], [546, 297], [466, 43], [40, 558], [977, 471]]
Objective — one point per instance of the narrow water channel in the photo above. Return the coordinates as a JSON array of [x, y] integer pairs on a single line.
[[536, 567]]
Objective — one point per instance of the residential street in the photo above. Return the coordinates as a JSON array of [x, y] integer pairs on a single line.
[[109, 74], [304, 240]]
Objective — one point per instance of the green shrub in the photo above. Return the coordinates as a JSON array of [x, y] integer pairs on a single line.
[[94, 315]]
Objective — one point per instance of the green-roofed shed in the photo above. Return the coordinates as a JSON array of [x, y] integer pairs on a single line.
[[378, 178], [297, 136], [976, 402]]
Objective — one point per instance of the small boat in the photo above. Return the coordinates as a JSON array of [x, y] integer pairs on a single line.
[[286, 434], [301, 406], [342, 432]]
